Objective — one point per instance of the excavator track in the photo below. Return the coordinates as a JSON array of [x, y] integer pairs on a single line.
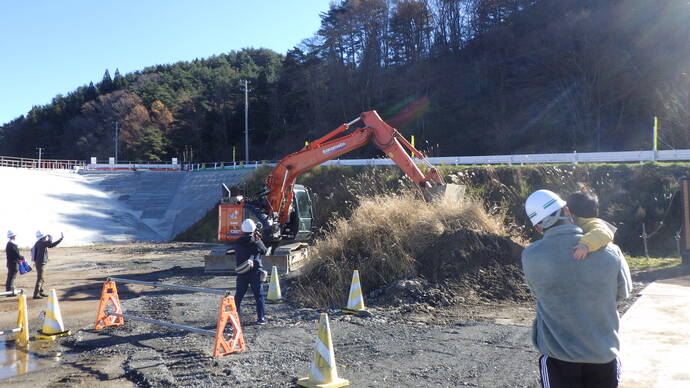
[[286, 257]]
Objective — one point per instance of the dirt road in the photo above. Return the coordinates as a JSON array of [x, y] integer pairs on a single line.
[[443, 348]]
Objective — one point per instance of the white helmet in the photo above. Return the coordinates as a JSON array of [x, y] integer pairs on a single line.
[[248, 226], [39, 235], [542, 204], [10, 234]]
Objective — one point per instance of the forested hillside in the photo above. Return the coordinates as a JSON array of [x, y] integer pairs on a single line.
[[466, 77]]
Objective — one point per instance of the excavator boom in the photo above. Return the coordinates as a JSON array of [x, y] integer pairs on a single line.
[[279, 183]]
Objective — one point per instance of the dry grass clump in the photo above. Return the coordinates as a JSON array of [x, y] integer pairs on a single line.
[[383, 239]]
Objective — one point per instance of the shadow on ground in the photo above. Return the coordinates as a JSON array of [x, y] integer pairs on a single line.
[[662, 274], [125, 291]]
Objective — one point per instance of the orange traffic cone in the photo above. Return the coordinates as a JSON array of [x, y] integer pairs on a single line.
[[323, 372], [109, 296], [53, 327], [355, 303], [228, 312]]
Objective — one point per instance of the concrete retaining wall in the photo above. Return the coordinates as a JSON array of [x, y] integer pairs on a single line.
[[107, 207]]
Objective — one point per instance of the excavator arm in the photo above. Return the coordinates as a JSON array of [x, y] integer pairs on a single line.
[[279, 183]]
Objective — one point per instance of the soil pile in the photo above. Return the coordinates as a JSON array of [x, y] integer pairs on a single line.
[[448, 249], [475, 262]]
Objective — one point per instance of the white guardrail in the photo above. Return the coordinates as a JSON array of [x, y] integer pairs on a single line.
[[570, 158], [563, 158]]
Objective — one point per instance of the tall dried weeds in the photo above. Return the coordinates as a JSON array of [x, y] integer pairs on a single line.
[[382, 239]]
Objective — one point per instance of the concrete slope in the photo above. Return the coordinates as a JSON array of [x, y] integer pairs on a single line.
[[107, 208], [56, 201], [167, 202]]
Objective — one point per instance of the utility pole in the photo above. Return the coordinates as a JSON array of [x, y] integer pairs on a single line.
[[246, 121], [117, 128], [40, 151]]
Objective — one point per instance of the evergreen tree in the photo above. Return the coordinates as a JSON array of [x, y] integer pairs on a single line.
[[150, 146], [91, 92], [119, 82], [106, 85]]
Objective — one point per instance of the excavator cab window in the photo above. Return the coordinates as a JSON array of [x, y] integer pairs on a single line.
[[304, 211]]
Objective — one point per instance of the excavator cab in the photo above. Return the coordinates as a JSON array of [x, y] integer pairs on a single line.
[[234, 209], [299, 227]]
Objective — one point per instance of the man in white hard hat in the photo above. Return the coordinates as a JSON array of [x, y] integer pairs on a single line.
[[39, 254], [248, 251], [13, 259], [576, 327]]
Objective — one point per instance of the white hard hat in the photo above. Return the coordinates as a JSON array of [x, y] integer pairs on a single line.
[[541, 204], [39, 235], [10, 234], [248, 226]]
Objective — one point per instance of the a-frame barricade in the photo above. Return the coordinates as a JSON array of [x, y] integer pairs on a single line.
[[110, 314], [228, 313], [109, 297]]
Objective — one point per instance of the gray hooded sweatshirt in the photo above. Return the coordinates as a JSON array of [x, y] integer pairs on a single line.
[[577, 319]]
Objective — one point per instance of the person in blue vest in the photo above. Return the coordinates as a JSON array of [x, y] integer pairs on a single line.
[[577, 322], [248, 251]]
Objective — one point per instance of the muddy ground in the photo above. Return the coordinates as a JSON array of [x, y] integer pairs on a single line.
[[473, 342]]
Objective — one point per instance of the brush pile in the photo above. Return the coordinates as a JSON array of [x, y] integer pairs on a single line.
[[393, 237]]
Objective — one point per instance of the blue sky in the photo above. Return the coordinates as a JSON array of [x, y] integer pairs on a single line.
[[52, 47]]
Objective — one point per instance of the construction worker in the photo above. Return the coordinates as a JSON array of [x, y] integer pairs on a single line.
[[248, 251], [576, 326], [39, 254], [13, 259]]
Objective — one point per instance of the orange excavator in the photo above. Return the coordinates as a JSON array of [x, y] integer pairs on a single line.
[[283, 212]]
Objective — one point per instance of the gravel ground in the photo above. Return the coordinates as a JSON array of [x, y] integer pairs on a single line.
[[411, 345], [370, 351]]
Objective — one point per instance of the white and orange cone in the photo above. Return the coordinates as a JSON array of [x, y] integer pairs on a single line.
[[323, 372], [355, 302], [274, 295], [53, 327]]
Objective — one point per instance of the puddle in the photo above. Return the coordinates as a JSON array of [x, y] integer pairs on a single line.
[[17, 360]]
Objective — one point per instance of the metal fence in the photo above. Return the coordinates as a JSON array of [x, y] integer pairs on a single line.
[[208, 166], [132, 167], [561, 158], [55, 164]]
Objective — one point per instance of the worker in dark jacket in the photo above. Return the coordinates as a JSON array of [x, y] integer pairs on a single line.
[[39, 253], [248, 251], [13, 259]]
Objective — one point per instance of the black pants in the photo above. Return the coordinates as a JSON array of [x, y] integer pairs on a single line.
[[557, 374], [39, 279], [12, 269], [243, 282]]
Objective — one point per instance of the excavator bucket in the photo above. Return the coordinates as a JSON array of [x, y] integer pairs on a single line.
[[445, 192]]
